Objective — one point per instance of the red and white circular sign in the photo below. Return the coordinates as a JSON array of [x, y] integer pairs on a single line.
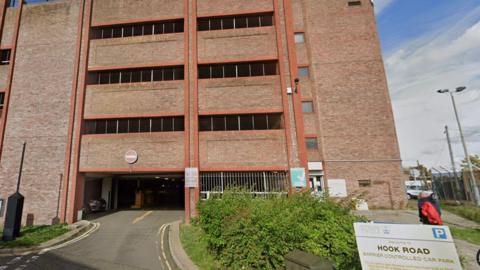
[[131, 157]]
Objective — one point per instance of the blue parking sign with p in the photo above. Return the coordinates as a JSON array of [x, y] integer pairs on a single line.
[[439, 233]]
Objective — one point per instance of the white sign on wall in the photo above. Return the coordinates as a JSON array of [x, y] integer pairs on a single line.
[[337, 188], [405, 247], [131, 157], [191, 177]]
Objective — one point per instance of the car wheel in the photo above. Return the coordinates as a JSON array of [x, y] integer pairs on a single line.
[[409, 196]]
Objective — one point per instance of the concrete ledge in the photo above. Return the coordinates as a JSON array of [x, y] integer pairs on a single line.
[[77, 229], [178, 253]]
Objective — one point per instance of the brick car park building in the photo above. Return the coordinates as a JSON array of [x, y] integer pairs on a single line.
[[245, 91]]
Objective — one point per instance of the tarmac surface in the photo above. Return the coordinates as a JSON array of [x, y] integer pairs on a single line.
[[130, 239]]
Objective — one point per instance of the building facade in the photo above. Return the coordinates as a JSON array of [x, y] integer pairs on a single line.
[[118, 99]]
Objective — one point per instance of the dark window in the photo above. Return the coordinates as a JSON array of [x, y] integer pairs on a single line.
[[232, 122], [227, 23], [218, 123], [246, 122], [354, 3], [169, 27], [231, 22], [115, 77], [266, 20], [167, 124], [365, 183], [128, 31], [203, 24], [145, 125], [147, 29], [240, 122], [215, 24], [126, 76], [307, 106], [143, 29], [111, 126], [260, 121], [237, 70], [217, 71], [204, 72], [240, 22], [135, 75], [156, 124], [243, 70], [101, 127], [205, 123], [147, 75], [158, 28], [137, 30], [134, 125], [168, 74], [117, 32], [104, 77], [107, 32], [275, 121], [229, 71], [122, 126], [253, 21], [311, 143], [270, 68], [90, 127]]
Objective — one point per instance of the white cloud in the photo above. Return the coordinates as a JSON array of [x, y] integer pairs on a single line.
[[380, 5], [444, 59]]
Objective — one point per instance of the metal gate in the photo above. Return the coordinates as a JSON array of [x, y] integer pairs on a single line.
[[259, 183]]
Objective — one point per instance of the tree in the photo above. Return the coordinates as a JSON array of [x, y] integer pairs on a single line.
[[475, 159]]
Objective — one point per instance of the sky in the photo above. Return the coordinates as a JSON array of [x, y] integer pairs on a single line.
[[429, 45]]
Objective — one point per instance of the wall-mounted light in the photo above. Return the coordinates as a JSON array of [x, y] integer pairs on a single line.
[[296, 84]]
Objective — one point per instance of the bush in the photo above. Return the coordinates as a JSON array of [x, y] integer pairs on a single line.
[[255, 233], [468, 211]]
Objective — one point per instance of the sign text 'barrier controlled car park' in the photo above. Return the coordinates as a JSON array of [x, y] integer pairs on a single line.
[[406, 247]]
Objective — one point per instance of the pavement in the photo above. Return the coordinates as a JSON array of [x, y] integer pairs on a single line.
[[130, 239], [465, 249]]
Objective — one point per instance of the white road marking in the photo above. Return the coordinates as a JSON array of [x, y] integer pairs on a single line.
[[87, 233], [161, 234]]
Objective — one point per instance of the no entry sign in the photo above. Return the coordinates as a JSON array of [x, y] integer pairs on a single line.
[[406, 247], [131, 157]]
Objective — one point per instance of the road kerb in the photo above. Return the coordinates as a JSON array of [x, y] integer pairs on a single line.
[[78, 231], [178, 253]]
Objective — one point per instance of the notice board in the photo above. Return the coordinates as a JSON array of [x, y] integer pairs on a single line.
[[406, 247]]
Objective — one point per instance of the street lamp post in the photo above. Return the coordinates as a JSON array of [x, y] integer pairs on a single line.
[[469, 163]]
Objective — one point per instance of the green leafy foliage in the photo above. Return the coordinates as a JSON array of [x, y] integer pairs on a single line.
[[256, 233]]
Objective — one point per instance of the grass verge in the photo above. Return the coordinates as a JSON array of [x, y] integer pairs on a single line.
[[469, 235], [467, 211], [193, 241], [35, 235]]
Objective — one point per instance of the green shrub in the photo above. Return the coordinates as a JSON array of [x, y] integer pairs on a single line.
[[468, 211], [255, 233]]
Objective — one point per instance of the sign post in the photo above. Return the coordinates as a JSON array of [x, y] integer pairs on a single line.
[[191, 177], [405, 246], [13, 217]]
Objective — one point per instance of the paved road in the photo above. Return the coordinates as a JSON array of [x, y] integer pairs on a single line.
[[125, 240]]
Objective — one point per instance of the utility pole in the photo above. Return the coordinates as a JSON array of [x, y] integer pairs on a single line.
[[452, 159], [473, 182]]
